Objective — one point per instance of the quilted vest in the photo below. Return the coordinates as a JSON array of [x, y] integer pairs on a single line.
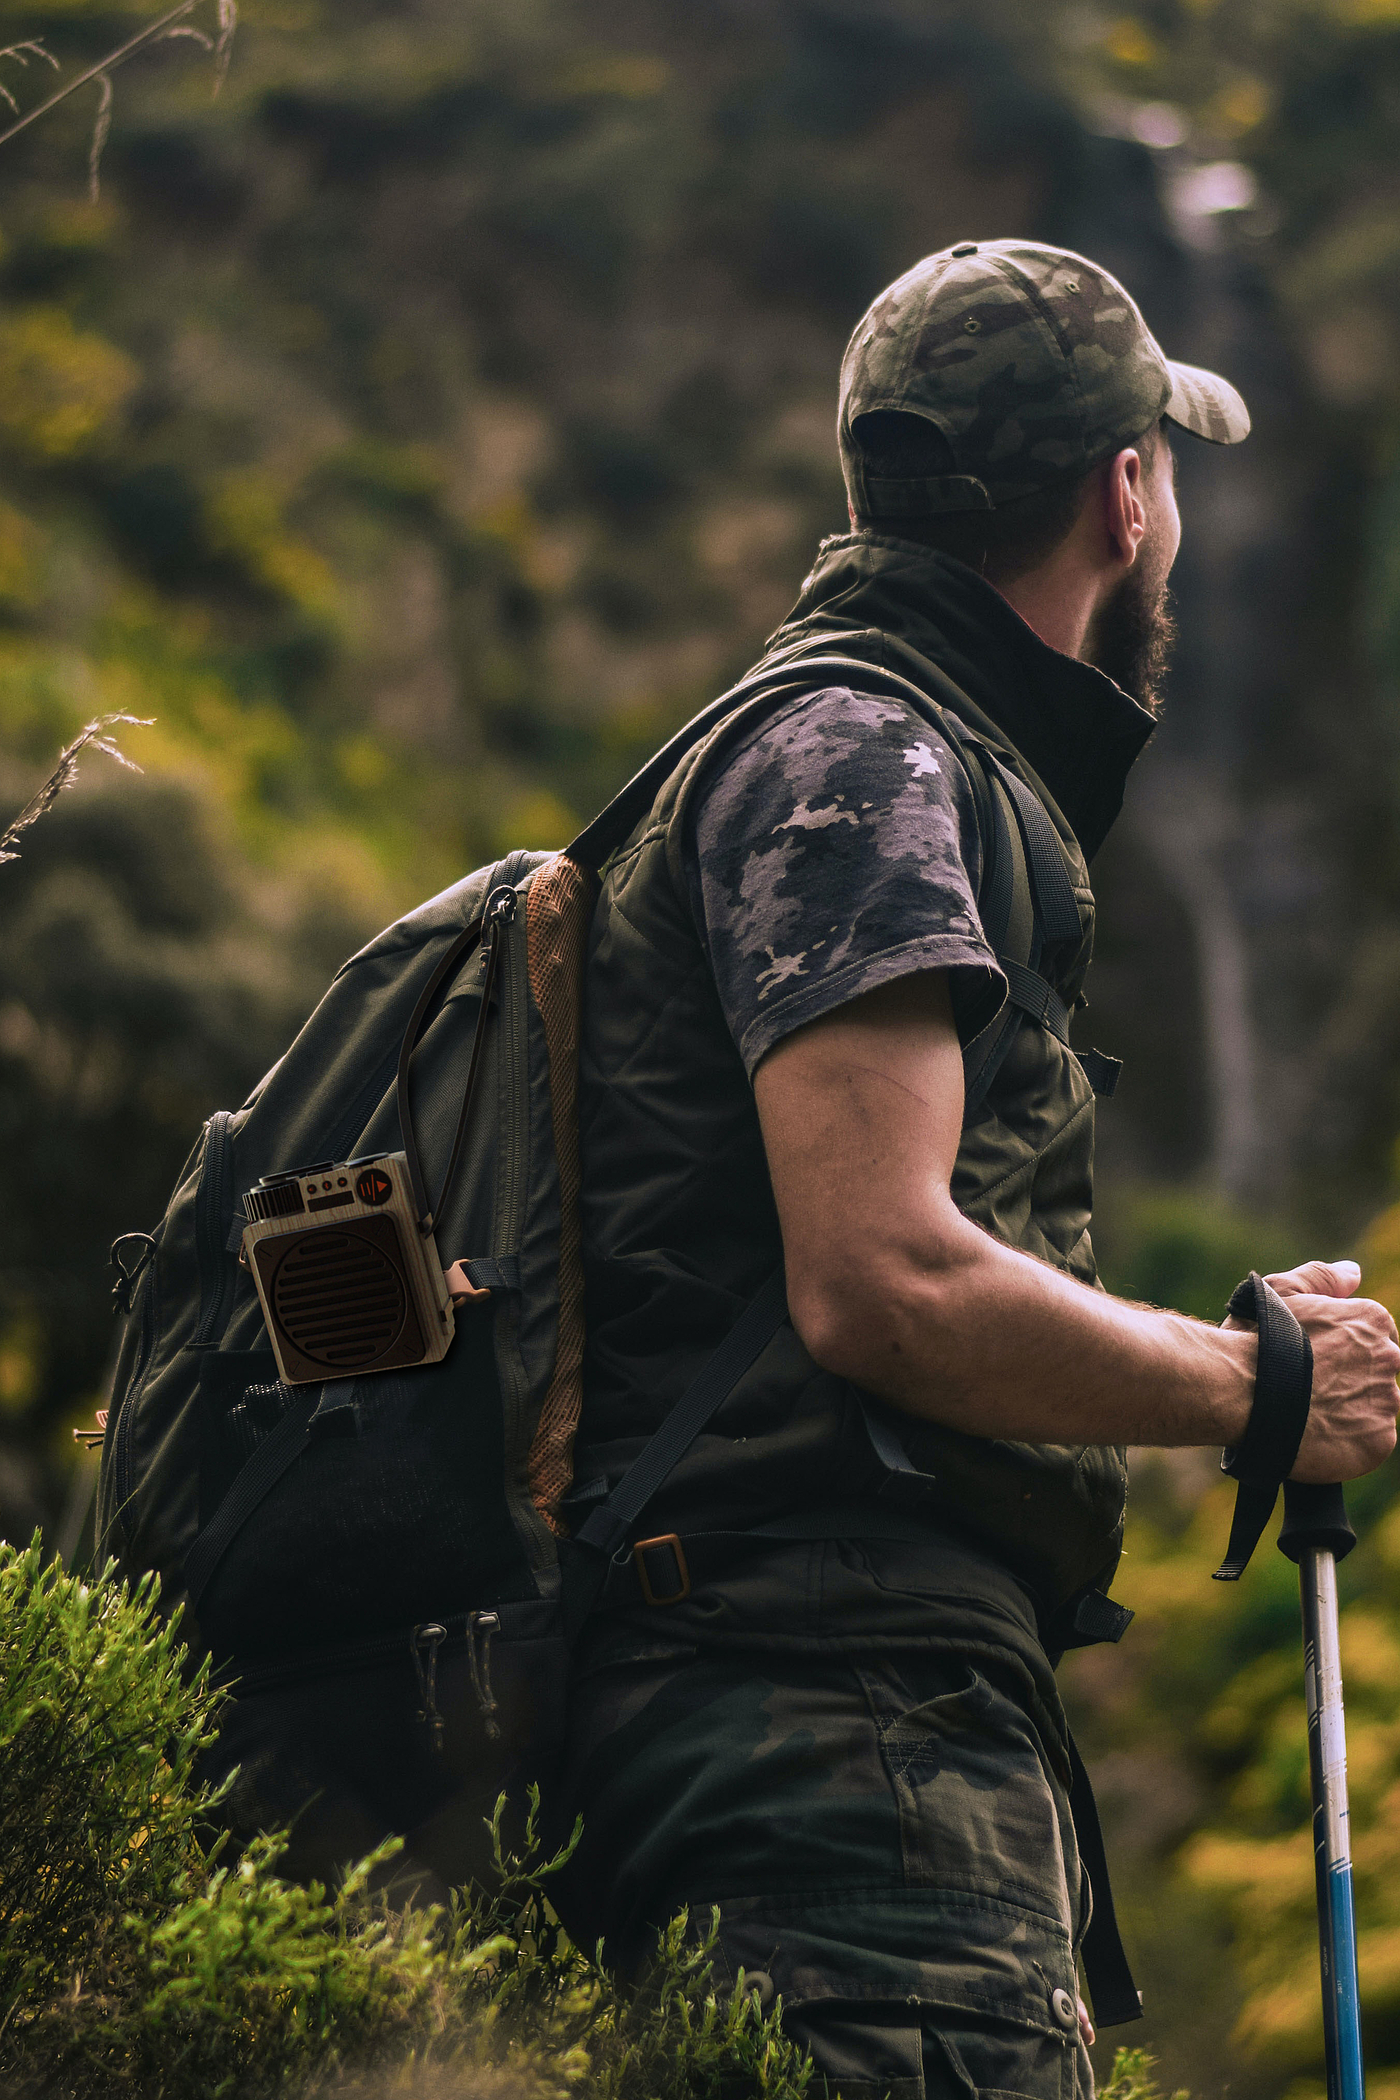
[[679, 1222]]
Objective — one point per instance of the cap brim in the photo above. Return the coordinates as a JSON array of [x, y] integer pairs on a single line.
[[1206, 405]]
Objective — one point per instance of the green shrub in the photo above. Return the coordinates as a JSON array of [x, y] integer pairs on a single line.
[[98, 1736], [136, 1957]]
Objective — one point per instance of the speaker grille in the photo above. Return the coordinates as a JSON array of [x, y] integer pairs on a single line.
[[339, 1298]]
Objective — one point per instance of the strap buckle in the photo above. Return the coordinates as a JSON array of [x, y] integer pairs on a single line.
[[662, 1560]]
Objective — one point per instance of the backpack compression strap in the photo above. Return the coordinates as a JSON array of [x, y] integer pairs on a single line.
[[608, 1526]]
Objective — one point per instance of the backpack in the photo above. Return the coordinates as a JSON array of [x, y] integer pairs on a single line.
[[406, 1521]]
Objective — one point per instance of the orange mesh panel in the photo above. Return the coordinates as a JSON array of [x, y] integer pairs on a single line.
[[558, 906]]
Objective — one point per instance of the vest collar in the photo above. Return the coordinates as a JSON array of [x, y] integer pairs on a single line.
[[1074, 727]]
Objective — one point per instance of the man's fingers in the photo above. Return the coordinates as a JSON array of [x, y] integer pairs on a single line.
[[1318, 1279]]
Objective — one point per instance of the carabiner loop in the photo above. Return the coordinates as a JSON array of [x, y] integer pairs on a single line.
[[429, 1637]]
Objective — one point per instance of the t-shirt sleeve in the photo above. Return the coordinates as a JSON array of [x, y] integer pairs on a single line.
[[835, 849]]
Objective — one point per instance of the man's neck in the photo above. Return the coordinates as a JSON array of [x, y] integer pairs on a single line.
[[895, 602], [1058, 601]]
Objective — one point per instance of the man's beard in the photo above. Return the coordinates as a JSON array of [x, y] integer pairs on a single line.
[[1134, 635]]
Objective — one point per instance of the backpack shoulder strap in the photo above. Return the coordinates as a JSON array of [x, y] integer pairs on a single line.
[[1026, 903], [612, 824]]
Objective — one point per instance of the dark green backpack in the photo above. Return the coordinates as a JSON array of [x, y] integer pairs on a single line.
[[407, 1520]]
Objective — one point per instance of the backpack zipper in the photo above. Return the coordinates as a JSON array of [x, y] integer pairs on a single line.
[[211, 1229], [508, 1220], [123, 1429]]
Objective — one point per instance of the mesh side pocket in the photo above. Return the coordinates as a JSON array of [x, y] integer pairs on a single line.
[[559, 905]]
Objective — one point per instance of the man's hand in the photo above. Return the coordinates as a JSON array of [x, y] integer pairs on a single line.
[[1356, 1355]]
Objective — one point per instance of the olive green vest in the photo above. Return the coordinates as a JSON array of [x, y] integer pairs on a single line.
[[679, 1223]]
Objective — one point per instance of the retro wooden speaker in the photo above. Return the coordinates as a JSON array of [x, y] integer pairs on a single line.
[[348, 1283]]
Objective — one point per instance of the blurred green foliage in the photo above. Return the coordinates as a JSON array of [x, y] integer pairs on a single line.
[[1186, 1248]]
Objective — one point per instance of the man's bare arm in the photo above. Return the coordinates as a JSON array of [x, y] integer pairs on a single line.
[[891, 1287]]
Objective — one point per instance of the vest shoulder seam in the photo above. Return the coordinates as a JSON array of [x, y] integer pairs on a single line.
[[626, 854]]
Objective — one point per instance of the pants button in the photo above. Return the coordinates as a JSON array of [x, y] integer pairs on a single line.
[[1064, 2009], [760, 1983]]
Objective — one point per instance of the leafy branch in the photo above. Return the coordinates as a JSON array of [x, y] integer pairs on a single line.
[[170, 25], [65, 773]]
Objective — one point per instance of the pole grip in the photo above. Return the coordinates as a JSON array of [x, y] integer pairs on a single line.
[[1316, 1517]]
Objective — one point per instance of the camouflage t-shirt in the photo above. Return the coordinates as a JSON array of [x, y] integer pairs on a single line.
[[834, 849]]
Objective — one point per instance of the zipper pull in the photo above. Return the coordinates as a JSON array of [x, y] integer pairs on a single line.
[[481, 1625], [424, 1643]]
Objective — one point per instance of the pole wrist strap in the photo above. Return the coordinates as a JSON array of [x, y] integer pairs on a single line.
[[1265, 1455]]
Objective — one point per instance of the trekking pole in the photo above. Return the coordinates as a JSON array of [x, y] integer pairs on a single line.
[[1316, 1534]]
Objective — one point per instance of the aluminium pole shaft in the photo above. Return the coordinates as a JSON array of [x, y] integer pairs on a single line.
[[1327, 1759]]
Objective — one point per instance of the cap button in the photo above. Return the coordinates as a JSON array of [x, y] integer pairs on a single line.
[[966, 248]]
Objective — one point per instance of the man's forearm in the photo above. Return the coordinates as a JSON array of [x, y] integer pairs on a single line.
[[989, 1340], [892, 1287]]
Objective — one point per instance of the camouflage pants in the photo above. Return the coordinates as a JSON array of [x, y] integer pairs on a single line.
[[887, 1839]]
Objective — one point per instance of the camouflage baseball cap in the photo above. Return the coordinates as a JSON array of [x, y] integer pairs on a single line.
[[1032, 362]]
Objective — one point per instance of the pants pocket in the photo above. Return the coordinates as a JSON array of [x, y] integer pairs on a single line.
[[979, 1808], [987, 2059], [867, 2051], [862, 2052]]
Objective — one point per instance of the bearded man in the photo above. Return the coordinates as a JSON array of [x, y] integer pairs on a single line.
[[826, 1031]]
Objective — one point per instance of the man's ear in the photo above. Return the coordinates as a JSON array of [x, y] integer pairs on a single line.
[[1125, 517]]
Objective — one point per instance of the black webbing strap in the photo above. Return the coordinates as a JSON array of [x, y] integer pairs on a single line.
[[1054, 893], [1055, 916], [457, 948], [983, 1056], [256, 1480], [1035, 996], [608, 1526], [1116, 1998], [1102, 1071], [492, 1273], [1265, 1455], [994, 903]]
